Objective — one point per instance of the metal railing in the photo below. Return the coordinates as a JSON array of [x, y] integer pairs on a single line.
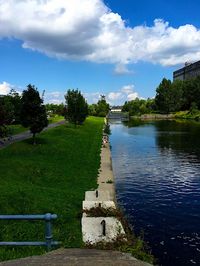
[[48, 217]]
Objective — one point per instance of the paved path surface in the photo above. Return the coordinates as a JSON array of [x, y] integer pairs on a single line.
[[106, 177], [82, 257], [27, 135]]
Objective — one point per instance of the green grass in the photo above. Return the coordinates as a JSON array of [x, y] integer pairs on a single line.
[[49, 177], [195, 115], [16, 129], [55, 118]]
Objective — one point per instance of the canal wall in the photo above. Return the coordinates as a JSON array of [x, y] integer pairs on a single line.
[[154, 116]]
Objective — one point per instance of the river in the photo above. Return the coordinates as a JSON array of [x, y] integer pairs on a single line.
[[157, 170]]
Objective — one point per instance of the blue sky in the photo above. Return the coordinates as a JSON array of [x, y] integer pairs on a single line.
[[120, 48]]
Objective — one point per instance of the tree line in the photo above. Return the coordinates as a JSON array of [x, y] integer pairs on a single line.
[[29, 110], [170, 97]]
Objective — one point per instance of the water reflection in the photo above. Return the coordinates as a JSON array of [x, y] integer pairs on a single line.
[[157, 169]]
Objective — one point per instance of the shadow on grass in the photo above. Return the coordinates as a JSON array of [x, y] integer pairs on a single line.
[[39, 141]]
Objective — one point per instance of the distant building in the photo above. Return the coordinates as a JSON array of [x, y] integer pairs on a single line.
[[190, 70], [116, 109]]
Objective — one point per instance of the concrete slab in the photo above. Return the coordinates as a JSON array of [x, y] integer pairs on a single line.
[[97, 195], [94, 204], [93, 231], [78, 257]]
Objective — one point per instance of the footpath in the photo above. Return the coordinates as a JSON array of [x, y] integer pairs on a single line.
[[27, 135]]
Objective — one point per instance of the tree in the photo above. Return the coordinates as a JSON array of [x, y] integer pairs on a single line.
[[15, 99], [6, 115], [102, 107], [92, 109], [163, 96], [77, 107], [33, 112]]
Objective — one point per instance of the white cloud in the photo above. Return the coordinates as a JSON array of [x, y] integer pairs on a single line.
[[127, 89], [5, 88], [92, 97], [122, 69], [54, 97], [89, 30], [132, 96], [126, 93], [113, 96]]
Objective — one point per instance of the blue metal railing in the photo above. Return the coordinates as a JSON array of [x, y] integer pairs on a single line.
[[48, 217]]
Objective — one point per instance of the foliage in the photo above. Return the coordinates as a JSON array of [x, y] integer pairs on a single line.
[[77, 107], [102, 212], [33, 112], [55, 118], [178, 95], [139, 107], [170, 97], [55, 109], [163, 96], [107, 129], [15, 100], [6, 115], [100, 109], [45, 178]]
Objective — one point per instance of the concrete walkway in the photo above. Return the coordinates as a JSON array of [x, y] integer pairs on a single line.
[[27, 135], [80, 257], [106, 177]]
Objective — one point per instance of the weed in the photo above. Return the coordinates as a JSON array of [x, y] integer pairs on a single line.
[[109, 181]]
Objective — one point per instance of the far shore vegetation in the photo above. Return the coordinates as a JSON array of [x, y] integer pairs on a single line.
[[179, 98]]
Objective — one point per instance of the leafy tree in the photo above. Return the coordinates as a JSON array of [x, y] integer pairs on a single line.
[[102, 107], [163, 96], [177, 100], [92, 109], [191, 92], [15, 99], [139, 106], [55, 109], [33, 112], [76, 107], [6, 115]]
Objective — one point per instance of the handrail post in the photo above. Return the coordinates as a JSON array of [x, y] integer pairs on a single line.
[[48, 231]]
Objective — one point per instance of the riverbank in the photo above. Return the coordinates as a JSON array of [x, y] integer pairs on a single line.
[[154, 116], [190, 115], [49, 177], [106, 185]]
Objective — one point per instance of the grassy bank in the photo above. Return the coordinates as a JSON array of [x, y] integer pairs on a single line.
[[49, 177], [16, 129], [195, 115]]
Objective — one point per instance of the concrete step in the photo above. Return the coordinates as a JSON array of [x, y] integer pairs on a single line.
[[82, 257], [97, 195], [96, 229], [87, 205]]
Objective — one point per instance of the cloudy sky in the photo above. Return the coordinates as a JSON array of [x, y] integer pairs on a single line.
[[119, 48]]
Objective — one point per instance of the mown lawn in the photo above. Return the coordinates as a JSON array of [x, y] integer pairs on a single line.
[[49, 177], [16, 129], [55, 118]]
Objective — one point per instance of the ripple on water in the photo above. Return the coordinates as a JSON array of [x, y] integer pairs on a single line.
[[158, 186]]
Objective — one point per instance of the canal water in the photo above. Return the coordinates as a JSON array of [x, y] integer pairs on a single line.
[[157, 170]]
